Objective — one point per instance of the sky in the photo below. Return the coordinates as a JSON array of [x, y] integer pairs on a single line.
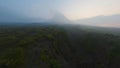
[[87, 12], [72, 9]]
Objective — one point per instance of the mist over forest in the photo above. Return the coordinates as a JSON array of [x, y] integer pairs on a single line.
[[59, 34]]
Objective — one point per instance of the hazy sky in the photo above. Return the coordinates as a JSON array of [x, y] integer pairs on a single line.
[[72, 9]]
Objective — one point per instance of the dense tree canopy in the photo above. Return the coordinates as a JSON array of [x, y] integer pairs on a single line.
[[57, 47]]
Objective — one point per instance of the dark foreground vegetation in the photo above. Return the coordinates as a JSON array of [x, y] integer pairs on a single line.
[[57, 47]]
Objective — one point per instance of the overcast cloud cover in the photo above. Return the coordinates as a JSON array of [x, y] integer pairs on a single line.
[[36, 10]]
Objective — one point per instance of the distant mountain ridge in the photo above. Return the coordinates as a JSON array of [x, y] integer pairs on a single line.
[[9, 16], [58, 18], [113, 20]]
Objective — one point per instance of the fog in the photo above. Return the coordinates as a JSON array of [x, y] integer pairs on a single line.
[[95, 12]]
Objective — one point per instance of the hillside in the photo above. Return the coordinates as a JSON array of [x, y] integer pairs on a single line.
[[104, 21], [55, 46]]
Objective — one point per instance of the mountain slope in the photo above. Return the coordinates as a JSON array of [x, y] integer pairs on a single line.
[[109, 21], [59, 18]]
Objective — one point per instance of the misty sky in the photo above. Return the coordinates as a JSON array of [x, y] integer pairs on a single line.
[[72, 9]]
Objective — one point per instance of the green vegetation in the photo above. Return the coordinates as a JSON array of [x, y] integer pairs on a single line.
[[57, 47], [12, 58]]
